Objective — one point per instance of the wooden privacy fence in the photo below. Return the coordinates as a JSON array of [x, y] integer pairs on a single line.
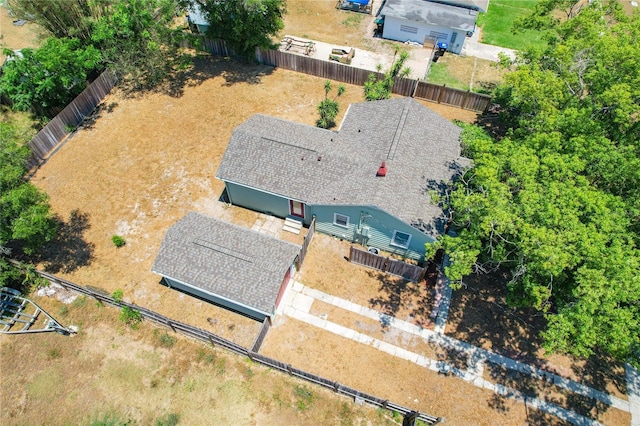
[[70, 116], [257, 344], [306, 242], [208, 337], [385, 264], [357, 76]]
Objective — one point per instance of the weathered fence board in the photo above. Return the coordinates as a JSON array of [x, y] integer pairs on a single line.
[[214, 339], [72, 115], [257, 344], [357, 76], [306, 242], [385, 264]]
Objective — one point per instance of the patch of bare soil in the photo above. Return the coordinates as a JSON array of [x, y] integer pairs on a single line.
[[110, 374], [327, 269], [142, 163], [382, 375], [546, 390], [16, 37], [479, 315]]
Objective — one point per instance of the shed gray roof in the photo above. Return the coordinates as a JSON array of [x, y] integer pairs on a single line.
[[431, 13], [218, 257], [421, 150], [479, 5]]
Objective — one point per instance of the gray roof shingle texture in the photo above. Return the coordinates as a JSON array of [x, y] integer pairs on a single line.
[[431, 13], [224, 259], [421, 150]]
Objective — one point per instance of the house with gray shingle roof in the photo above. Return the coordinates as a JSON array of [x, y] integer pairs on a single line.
[[230, 266], [290, 169], [431, 21]]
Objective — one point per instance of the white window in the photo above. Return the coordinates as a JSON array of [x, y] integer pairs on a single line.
[[341, 220], [408, 29], [400, 239]]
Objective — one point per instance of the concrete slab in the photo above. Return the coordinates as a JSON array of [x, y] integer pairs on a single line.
[[302, 302]]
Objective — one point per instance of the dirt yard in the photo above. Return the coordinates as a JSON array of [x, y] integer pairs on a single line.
[[110, 374], [143, 162], [16, 37]]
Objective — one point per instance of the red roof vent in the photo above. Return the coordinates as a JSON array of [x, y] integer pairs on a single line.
[[382, 171]]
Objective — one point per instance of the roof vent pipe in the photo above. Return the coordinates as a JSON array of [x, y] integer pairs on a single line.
[[382, 171]]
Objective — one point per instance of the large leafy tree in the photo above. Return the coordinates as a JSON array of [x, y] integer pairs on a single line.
[[244, 24], [555, 199], [48, 78], [136, 38], [26, 221]]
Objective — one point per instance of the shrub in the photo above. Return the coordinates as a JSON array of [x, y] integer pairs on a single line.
[[118, 241], [117, 295], [329, 108], [130, 317], [167, 340]]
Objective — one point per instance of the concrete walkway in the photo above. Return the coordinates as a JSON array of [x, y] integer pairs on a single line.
[[297, 303], [473, 47]]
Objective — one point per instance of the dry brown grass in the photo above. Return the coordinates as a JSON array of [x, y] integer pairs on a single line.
[[367, 369], [145, 375], [14, 37]]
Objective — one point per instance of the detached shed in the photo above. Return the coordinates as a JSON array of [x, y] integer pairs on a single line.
[[230, 266], [428, 21]]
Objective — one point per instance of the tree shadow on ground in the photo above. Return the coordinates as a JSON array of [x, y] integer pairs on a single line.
[[69, 251], [599, 371], [193, 70], [479, 315], [401, 298]]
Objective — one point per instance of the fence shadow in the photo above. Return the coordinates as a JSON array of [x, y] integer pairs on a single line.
[[194, 70], [69, 251]]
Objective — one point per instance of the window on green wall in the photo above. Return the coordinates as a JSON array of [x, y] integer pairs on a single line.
[[400, 239], [341, 220]]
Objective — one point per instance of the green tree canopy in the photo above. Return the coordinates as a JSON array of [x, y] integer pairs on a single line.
[[244, 24], [555, 199], [26, 221], [48, 77], [138, 39]]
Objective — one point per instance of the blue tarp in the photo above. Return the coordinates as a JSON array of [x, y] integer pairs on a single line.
[[360, 2]]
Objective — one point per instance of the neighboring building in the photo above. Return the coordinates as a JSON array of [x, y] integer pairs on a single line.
[[423, 21], [196, 19], [231, 266], [290, 169]]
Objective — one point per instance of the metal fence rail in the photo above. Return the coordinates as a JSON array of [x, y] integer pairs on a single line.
[[216, 340]]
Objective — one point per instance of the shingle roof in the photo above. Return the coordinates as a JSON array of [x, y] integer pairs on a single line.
[[431, 13], [224, 259], [421, 150]]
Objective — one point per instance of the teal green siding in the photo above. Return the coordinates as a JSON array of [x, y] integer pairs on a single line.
[[257, 200], [216, 300], [381, 224], [381, 227]]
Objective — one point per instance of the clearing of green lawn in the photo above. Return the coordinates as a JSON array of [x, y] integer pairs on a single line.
[[439, 73], [497, 24]]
